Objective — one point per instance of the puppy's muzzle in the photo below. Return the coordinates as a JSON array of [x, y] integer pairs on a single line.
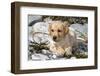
[[54, 38]]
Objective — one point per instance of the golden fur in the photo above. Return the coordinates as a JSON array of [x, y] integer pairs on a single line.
[[62, 38]]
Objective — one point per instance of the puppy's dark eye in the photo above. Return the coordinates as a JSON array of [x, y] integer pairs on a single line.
[[52, 30], [59, 31]]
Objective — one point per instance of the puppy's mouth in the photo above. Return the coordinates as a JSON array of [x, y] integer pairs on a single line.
[[55, 40]]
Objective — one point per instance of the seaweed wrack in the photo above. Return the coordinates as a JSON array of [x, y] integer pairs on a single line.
[[38, 48]]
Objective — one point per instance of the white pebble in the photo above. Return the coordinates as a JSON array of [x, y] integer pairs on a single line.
[[54, 56], [73, 57], [44, 51]]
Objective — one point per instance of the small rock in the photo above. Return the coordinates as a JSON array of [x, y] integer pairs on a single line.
[[73, 58], [54, 56]]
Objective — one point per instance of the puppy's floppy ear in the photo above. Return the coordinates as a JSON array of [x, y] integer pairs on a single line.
[[49, 28], [66, 23], [66, 27]]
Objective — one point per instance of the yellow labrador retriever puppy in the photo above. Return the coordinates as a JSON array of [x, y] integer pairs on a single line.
[[63, 38]]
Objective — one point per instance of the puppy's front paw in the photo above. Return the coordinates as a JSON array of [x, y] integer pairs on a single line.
[[58, 51], [68, 52], [52, 48]]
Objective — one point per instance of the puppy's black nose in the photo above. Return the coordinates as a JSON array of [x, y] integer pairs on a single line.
[[54, 37]]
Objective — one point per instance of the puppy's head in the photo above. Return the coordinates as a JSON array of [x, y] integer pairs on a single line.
[[58, 30]]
